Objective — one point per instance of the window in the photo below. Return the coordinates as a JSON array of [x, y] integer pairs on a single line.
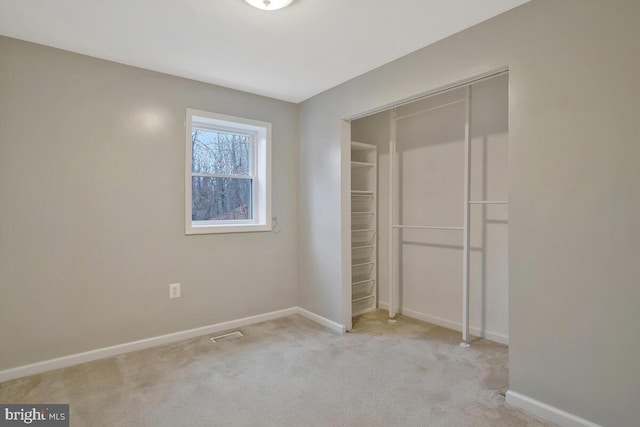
[[228, 178]]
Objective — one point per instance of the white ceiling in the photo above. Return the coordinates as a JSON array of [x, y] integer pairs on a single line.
[[290, 54]]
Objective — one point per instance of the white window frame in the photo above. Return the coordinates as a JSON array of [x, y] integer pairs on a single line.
[[260, 172]]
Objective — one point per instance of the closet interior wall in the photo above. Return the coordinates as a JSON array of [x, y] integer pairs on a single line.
[[429, 186]]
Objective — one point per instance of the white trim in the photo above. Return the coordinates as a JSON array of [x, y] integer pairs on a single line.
[[345, 222], [221, 175], [392, 209], [228, 227], [548, 412], [260, 172], [322, 320], [101, 353], [437, 91], [466, 228], [449, 324]]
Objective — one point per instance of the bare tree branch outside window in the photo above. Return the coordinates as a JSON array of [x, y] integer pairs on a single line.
[[226, 197]]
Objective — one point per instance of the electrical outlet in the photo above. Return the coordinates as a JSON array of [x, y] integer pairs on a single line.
[[174, 290]]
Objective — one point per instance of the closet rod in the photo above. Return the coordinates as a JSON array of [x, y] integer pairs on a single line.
[[488, 202], [436, 107], [428, 227], [467, 202]]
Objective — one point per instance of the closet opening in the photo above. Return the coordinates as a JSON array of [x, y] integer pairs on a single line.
[[429, 211]]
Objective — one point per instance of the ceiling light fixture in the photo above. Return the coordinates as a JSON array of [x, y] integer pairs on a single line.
[[269, 4]]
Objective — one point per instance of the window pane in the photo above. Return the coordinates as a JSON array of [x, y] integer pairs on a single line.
[[219, 152], [220, 198]]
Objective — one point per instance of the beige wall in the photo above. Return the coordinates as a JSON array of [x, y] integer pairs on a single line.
[[573, 191], [92, 208]]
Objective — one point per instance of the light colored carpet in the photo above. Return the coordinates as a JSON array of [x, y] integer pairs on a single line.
[[290, 372]]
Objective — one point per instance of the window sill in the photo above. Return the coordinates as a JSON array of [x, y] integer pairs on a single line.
[[227, 228]]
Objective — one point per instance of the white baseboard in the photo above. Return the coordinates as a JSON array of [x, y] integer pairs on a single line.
[[548, 412], [101, 353], [322, 320], [383, 305], [449, 324]]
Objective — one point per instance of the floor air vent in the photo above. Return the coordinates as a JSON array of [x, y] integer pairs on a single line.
[[225, 337]]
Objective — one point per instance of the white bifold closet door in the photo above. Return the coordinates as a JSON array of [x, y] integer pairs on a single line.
[[430, 184]]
